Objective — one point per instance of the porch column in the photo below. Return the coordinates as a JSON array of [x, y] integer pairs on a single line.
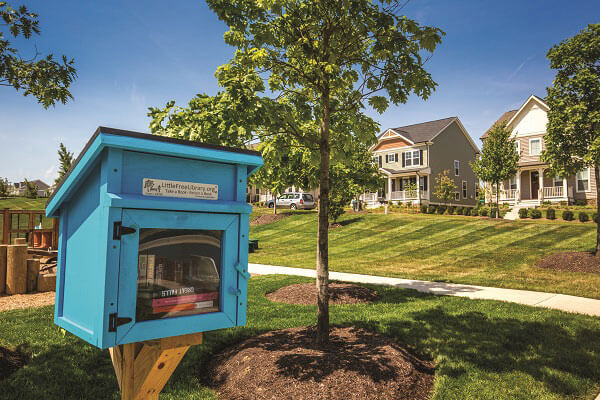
[[389, 194], [418, 189], [541, 183], [518, 194], [565, 194]]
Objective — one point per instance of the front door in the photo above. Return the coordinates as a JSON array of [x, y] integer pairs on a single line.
[[535, 184]]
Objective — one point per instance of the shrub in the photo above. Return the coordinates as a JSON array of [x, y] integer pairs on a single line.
[[467, 211], [451, 210], [431, 209], [580, 202], [550, 213], [460, 210], [423, 209], [493, 213], [523, 213], [595, 217], [441, 209], [484, 211], [535, 213], [584, 217], [567, 215]]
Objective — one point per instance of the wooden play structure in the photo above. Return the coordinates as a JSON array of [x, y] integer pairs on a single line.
[[24, 223]]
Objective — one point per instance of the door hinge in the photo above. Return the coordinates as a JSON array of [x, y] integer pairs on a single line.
[[114, 321], [120, 230]]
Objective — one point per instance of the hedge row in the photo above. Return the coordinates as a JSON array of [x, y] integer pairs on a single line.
[[452, 210], [567, 215]]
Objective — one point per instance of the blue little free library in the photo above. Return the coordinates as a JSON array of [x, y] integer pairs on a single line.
[[153, 238]]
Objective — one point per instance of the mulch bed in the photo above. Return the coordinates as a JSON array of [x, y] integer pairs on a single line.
[[267, 219], [10, 361], [576, 261], [28, 300], [286, 364], [339, 293]]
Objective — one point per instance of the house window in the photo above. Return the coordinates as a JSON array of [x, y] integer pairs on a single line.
[[535, 147], [423, 183], [557, 181], [583, 180], [456, 196], [390, 158], [518, 142], [257, 191], [412, 158], [377, 161], [476, 189], [513, 183], [464, 189], [456, 167]]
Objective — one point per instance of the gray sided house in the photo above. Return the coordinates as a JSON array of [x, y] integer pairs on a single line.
[[414, 155]]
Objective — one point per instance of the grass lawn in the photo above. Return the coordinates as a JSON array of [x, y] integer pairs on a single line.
[[483, 349], [433, 247]]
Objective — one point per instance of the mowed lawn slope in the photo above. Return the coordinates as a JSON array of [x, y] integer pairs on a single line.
[[431, 247], [482, 349]]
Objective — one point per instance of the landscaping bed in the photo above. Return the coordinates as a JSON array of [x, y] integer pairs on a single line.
[[356, 364], [11, 360], [267, 219], [578, 261], [339, 293]]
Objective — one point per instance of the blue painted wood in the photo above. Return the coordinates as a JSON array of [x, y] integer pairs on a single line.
[[97, 274]]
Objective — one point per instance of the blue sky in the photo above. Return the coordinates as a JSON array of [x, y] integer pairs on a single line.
[[134, 55]]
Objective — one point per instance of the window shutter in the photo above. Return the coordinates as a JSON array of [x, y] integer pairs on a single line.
[[420, 157], [403, 160], [393, 185], [401, 184], [425, 183], [379, 159], [396, 157]]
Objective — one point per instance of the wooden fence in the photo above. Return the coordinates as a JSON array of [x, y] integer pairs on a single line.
[[26, 223]]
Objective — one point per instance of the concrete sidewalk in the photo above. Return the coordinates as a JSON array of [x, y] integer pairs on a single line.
[[563, 302]]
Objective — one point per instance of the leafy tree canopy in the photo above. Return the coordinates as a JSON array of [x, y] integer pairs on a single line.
[[444, 187], [65, 159], [573, 132], [47, 79]]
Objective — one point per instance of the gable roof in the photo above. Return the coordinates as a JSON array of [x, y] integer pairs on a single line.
[[136, 141], [422, 132], [509, 116]]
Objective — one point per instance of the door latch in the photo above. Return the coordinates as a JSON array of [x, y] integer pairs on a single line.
[[114, 321], [120, 230]]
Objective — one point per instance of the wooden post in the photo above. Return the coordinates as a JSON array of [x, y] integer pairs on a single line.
[[143, 368], [33, 269], [16, 269], [3, 267], [6, 226], [20, 241]]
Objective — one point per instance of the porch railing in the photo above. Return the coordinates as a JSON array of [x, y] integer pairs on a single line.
[[370, 197], [407, 195], [509, 194], [553, 191]]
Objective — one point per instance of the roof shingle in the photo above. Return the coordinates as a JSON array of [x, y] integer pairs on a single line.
[[504, 118], [423, 132]]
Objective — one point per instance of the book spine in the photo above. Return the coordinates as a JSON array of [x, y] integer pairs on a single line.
[[183, 307], [169, 301]]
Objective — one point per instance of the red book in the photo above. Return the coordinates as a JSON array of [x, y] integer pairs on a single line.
[[183, 307], [192, 298]]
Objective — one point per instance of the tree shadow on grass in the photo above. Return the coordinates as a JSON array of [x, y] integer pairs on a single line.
[[546, 351]]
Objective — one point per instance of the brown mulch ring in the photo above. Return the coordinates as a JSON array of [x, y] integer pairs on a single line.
[[26, 300], [575, 261], [267, 219], [286, 364], [339, 293], [11, 360]]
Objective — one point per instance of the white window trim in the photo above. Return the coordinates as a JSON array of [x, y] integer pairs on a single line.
[[455, 168], [518, 146], [531, 140], [465, 189], [456, 196], [412, 158], [589, 179]]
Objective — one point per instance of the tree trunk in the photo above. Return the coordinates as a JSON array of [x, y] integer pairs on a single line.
[[323, 230], [274, 204], [597, 210], [497, 199]]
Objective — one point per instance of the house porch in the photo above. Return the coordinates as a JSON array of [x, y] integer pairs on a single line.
[[534, 186], [401, 188]]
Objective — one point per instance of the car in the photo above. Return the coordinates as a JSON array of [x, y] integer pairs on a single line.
[[295, 201]]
